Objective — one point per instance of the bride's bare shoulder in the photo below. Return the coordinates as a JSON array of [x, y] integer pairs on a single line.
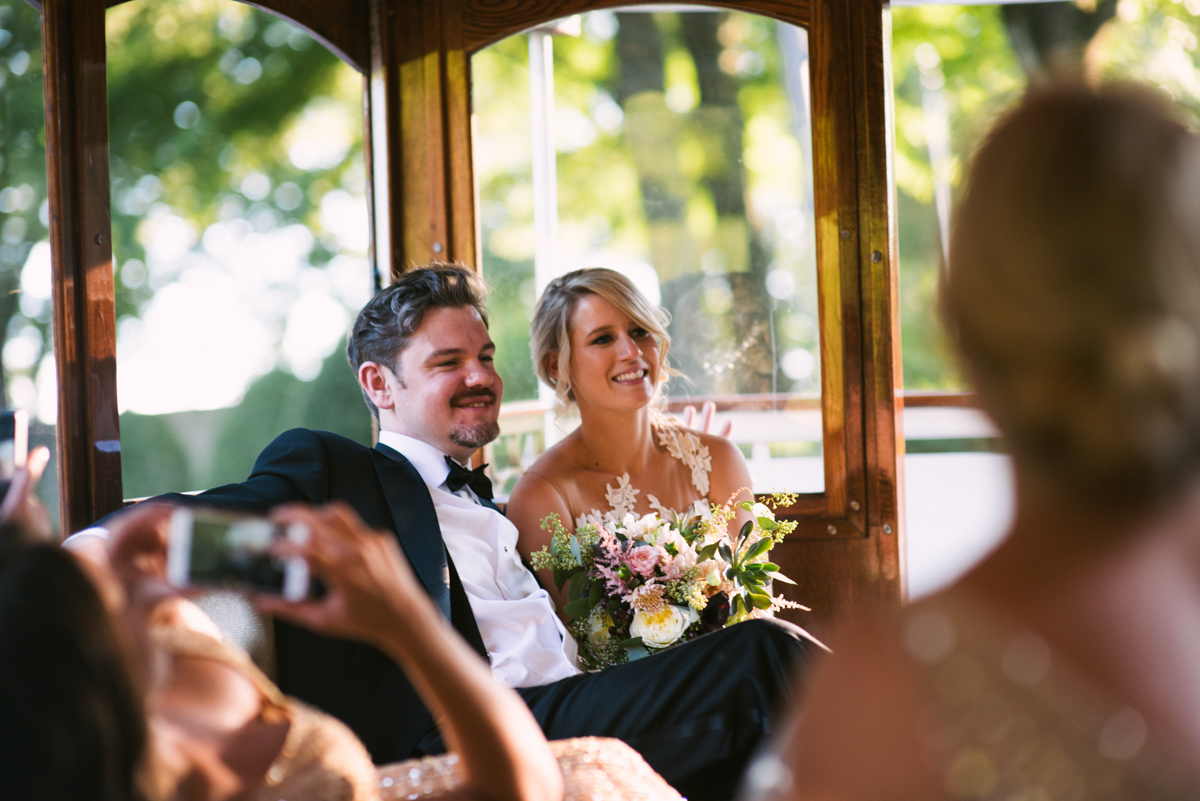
[[728, 471], [543, 489]]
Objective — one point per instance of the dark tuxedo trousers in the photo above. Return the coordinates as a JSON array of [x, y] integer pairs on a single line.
[[695, 712]]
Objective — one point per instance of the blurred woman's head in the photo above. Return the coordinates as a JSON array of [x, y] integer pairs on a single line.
[[1073, 292], [73, 722], [555, 317]]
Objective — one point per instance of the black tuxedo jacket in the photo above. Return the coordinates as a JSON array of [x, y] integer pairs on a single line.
[[353, 681]]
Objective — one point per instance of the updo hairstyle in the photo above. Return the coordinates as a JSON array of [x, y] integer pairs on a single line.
[[550, 330], [1073, 291]]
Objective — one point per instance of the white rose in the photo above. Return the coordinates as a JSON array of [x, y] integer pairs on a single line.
[[660, 629], [641, 529]]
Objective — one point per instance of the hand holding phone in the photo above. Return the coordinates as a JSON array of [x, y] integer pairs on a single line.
[[206, 548], [371, 590]]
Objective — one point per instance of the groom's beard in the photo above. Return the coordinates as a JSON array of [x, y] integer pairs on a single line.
[[479, 434]]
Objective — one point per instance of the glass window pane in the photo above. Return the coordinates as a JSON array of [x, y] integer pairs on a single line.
[[955, 68], [681, 148], [26, 337], [240, 236]]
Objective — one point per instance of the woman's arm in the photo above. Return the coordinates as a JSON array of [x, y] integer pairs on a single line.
[[374, 596], [532, 499]]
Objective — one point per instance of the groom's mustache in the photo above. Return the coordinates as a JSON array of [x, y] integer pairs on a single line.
[[472, 396]]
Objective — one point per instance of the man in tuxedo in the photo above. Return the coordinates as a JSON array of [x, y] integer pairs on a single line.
[[424, 360]]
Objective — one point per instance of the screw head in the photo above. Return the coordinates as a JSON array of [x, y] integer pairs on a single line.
[[99, 239], [854, 505], [887, 528], [845, 233], [831, 528], [876, 256], [437, 247]]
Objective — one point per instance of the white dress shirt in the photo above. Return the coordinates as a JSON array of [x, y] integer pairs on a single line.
[[527, 642]]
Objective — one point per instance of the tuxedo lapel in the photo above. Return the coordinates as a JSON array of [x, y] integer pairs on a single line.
[[416, 523]]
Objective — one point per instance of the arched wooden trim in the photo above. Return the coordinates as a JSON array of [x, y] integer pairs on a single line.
[[486, 22], [341, 26]]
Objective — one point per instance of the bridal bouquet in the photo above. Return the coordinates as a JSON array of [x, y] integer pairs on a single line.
[[635, 586]]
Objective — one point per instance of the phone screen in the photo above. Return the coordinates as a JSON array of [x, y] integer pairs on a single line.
[[236, 553], [212, 549]]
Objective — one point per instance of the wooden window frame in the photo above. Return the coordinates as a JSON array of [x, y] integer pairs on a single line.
[[415, 57]]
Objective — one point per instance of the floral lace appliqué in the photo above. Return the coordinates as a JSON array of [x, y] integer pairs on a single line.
[[621, 500], [685, 446], [680, 444]]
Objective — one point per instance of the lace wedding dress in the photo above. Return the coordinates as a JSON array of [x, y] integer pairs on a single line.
[[681, 444]]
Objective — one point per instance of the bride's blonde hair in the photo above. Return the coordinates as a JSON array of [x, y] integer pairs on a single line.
[[550, 331]]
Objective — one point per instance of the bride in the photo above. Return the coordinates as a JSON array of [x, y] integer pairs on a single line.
[[602, 346]]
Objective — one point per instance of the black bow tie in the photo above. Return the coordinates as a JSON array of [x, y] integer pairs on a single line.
[[476, 479]]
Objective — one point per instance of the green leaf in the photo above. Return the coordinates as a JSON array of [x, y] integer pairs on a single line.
[[575, 551], [769, 566], [784, 579], [747, 527], [562, 575], [745, 505], [597, 593], [637, 652], [632, 642], [767, 524], [706, 552], [760, 600], [758, 549], [580, 607], [726, 553], [578, 586], [739, 605]]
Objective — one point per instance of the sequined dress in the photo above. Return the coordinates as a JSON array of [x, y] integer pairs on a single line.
[[1010, 718], [322, 760]]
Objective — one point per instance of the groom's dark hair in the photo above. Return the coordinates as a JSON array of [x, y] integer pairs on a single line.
[[388, 321]]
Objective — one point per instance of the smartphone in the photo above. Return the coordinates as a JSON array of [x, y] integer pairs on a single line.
[[209, 548], [14, 441]]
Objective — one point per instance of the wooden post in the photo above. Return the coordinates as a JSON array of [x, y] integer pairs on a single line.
[[89, 447], [419, 97]]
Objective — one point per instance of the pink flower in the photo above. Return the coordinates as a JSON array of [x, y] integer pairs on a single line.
[[642, 560]]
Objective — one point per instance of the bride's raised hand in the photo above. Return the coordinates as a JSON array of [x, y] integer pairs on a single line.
[[708, 412]]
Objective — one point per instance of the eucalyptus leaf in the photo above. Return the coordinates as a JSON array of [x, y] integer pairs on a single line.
[[562, 575], [578, 586], [578, 608], [637, 652], [575, 551]]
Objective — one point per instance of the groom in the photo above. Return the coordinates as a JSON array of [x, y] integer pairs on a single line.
[[425, 362]]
